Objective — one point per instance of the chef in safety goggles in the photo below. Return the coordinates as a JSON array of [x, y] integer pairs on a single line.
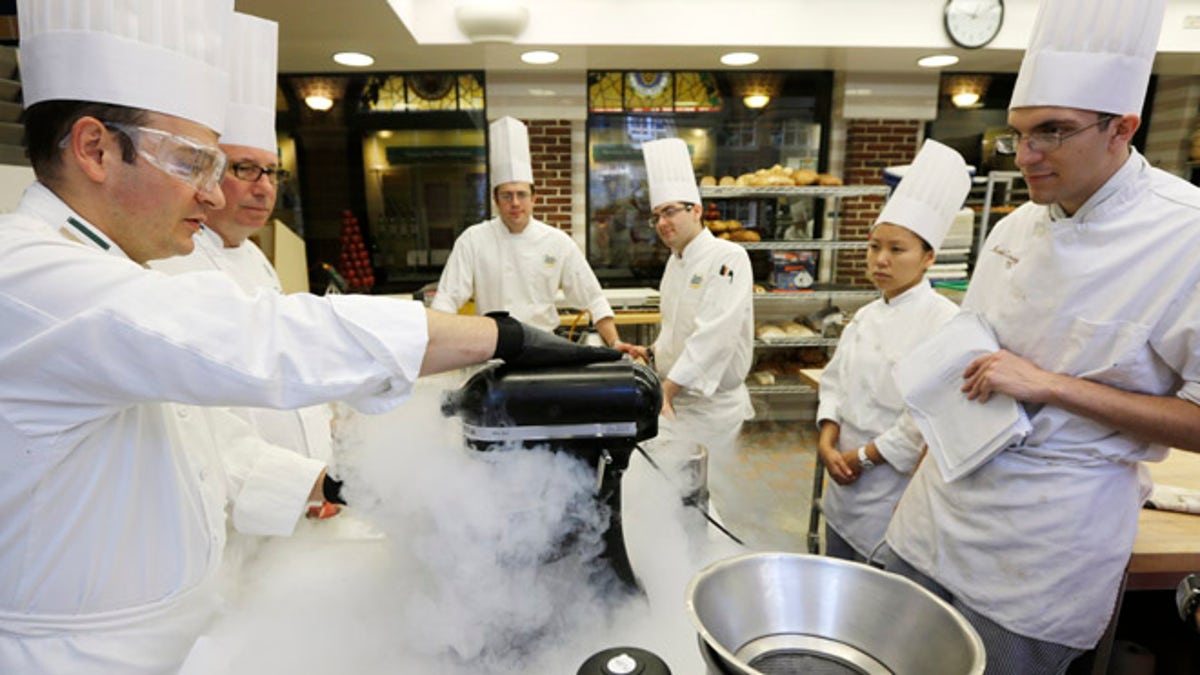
[[112, 531]]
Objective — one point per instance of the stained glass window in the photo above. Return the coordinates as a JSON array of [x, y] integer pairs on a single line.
[[696, 92], [653, 91], [606, 92], [649, 91], [391, 95], [470, 93], [423, 92]]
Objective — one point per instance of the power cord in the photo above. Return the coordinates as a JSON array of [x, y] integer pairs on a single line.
[[696, 506]]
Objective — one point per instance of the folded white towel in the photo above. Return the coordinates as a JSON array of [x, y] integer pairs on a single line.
[[1173, 498], [961, 434]]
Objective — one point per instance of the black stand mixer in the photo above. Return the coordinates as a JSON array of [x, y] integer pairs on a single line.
[[597, 413]]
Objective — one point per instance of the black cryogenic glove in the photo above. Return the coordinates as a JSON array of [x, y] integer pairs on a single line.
[[523, 346], [331, 489]]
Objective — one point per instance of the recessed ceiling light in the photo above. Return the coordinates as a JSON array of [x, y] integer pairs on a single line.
[[937, 61], [542, 92], [356, 59], [739, 58], [540, 57]]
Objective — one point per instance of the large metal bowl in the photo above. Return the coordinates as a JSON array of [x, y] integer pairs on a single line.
[[768, 613]]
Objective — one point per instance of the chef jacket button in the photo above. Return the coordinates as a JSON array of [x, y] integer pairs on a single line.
[[203, 474], [182, 412]]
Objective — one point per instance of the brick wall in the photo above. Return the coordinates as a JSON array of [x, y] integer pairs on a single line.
[[871, 145], [550, 150]]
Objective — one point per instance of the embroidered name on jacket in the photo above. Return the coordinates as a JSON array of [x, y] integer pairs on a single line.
[[1009, 258]]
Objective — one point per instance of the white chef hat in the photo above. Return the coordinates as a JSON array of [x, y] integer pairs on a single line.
[[1090, 54], [159, 55], [253, 53], [929, 196], [669, 172], [509, 160]]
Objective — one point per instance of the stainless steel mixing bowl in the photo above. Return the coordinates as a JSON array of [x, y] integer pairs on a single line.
[[777, 613]]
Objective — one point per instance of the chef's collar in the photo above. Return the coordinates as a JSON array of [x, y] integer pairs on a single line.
[[698, 243], [41, 202], [1123, 176], [919, 289]]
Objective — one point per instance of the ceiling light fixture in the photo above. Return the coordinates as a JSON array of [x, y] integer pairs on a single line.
[[937, 61], [739, 58], [491, 20], [966, 91], [318, 102], [540, 57], [353, 59], [965, 99], [756, 100]]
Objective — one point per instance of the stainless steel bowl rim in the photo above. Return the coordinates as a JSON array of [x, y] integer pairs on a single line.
[[717, 566]]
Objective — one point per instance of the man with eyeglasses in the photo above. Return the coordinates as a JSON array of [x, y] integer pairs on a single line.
[[703, 349], [112, 529], [1091, 289], [276, 459], [514, 262]]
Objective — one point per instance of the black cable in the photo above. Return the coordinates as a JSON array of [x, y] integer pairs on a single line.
[[696, 506]]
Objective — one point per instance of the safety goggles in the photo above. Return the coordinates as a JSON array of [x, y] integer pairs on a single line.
[[199, 166]]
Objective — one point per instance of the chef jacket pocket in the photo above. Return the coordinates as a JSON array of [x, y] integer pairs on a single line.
[[1116, 353]]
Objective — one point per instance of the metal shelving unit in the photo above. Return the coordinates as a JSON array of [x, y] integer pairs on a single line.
[[815, 341], [834, 191], [782, 303], [779, 389], [802, 245]]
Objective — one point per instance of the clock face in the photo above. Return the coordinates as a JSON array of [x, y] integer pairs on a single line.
[[973, 23]]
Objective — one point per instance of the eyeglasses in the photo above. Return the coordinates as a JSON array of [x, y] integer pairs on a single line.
[[199, 166], [1042, 141], [520, 196], [668, 213], [251, 172]]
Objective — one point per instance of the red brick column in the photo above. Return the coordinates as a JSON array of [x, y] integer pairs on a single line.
[[550, 150], [871, 145]]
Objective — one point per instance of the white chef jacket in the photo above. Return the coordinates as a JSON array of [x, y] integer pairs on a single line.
[[107, 535], [858, 393], [519, 273], [269, 482], [1038, 538], [705, 345]]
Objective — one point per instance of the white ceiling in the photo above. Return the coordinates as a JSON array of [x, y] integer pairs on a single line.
[[845, 35]]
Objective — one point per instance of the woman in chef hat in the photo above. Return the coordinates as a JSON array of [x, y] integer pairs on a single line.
[[866, 444]]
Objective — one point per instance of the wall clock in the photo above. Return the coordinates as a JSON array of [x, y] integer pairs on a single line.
[[972, 24]]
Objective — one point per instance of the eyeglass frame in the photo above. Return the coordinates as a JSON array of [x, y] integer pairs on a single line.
[[134, 131], [670, 212], [275, 174], [1043, 141], [511, 196]]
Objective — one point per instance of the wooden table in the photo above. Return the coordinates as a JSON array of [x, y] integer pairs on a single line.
[[1168, 543]]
